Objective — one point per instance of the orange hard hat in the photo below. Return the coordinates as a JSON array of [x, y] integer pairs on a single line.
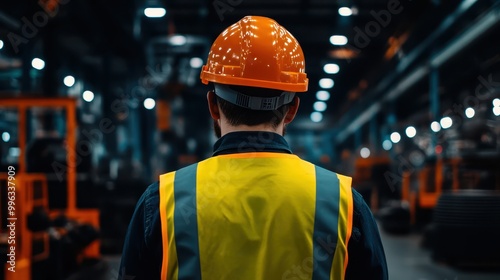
[[256, 52]]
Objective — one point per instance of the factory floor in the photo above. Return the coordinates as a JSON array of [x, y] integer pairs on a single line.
[[406, 260]]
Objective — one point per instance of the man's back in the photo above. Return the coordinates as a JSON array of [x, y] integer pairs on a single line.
[[255, 216]]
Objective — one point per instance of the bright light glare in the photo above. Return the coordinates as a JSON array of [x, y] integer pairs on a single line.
[[446, 122], [177, 40], [338, 40], [316, 117], [345, 11], [88, 96], [1, 44], [37, 63], [69, 81], [411, 132], [331, 68], [364, 152], [323, 95], [319, 106], [496, 111], [5, 137], [387, 145], [496, 102], [196, 62], [395, 137], [149, 103], [326, 83], [435, 126], [470, 112], [155, 12]]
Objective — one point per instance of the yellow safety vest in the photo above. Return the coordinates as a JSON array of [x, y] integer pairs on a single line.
[[251, 216]]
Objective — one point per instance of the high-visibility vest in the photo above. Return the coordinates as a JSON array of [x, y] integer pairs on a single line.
[[251, 216]]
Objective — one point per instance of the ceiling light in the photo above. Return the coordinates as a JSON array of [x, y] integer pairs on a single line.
[[155, 12], [496, 102], [395, 137], [326, 83], [69, 81], [446, 122], [435, 126], [323, 95], [1, 44], [345, 11], [338, 40], [411, 132], [196, 62], [470, 112], [331, 68], [319, 106], [496, 111], [387, 145], [88, 96], [177, 40], [37, 63], [149, 103], [364, 152], [5, 137], [316, 117]]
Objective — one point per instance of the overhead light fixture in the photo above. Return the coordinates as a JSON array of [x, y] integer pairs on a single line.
[[69, 81], [446, 122], [37, 63], [196, 62], [1, 44], [155, 12], [345, 11], [411, 132], [435, 126], [6, 137], [364, 152], [496, 111], [177, 40], [316, 117], [88, 96], [338, 40], [496, 102], [387, 145], [395, 137], [470, 112], [326, 83], [323, 95], [331, 68], [319, 106], [149, 103]]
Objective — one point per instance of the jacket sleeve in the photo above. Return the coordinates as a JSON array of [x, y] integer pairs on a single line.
[[365, 250], [141, 256]]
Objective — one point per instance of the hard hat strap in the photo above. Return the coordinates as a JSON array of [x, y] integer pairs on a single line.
[[253, 102]]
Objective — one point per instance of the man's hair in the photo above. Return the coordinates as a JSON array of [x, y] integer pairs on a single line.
[[237, 115]]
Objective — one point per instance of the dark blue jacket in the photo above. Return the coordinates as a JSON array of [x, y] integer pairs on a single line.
[[142, 251]]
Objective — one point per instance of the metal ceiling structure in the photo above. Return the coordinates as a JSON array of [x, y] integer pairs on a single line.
[[113, 48]]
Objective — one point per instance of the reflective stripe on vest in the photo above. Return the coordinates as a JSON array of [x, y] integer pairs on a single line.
[[255, 216]]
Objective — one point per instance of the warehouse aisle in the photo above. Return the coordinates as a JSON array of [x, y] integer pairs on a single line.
[[408, 261]]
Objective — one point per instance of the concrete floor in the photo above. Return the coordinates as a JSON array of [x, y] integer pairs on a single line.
[[405, 258], [408, 261]]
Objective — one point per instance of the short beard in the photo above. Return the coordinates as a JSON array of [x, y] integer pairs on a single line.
[[217, 129]]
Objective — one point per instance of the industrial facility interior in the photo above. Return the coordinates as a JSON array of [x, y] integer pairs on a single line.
[[100, 97]]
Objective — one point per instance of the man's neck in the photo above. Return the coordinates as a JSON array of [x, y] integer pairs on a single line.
[[225, 129]]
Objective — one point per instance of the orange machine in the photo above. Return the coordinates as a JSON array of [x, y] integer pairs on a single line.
[[26, 185]]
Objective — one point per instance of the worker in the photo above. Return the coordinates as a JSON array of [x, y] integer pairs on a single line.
[[253, 210]]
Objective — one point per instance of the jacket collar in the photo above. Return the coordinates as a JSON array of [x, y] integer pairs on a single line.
[[251, 141]]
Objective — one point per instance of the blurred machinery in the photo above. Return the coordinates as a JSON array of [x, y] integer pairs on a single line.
[[51, 240]]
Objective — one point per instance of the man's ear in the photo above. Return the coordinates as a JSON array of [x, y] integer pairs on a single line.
[[292, 110], [212, 105]]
